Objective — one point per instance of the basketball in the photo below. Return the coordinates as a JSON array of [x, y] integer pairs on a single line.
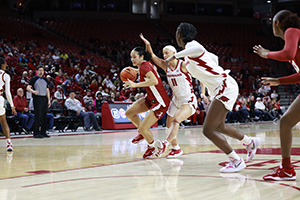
[[128, 73]]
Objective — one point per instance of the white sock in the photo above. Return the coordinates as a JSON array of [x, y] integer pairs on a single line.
[[9, 140], [166, 143], [246, 140], [152, 144], [233, 156], [176, 147]]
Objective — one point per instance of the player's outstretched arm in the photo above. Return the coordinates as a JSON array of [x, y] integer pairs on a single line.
[[158, 61]]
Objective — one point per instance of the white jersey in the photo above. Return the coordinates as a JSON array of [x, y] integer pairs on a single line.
[[179, 81], [5, 86], [203, 65]]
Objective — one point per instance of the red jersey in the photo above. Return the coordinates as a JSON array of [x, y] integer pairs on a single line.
[[290, 53], [155, 93]]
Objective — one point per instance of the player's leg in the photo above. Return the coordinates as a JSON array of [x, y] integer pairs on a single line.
[[143, 129], [216, 116], [132, 112], [6, 132], [290, 118]]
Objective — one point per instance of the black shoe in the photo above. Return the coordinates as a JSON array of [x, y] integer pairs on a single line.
[[45, 135], [38, 136], [87, 129], [98, 129]]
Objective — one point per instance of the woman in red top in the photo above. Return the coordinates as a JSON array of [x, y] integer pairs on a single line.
[[286, 25], [156, 100]]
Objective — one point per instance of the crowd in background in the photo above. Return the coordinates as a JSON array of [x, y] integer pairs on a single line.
[[93, 86]]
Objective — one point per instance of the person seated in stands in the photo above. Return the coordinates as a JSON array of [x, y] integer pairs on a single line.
[[22, 109], [24, 78], [260, 110], [59, 94], [98, 106], [79, 76], [94, 86], [79, 111], [60, 78], [108, 83], [23, 60], [50, 82], [88, 99]]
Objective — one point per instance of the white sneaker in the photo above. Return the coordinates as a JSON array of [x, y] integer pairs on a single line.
[[9, 146], [252, 151], [234, 166]]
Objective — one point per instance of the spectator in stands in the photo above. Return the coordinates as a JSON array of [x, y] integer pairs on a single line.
[[39, 87], [66, 83], [84, 84], [274, 94], [11, 60], [50, 82], [94, 86], [260, 110], [59, 94], [22, 108], [60, 78], [79, 111], [88, 99], [23, 60], [108, 83], [79, 76], [24, 78]]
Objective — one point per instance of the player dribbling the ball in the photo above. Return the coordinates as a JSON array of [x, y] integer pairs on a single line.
[[156, 100]]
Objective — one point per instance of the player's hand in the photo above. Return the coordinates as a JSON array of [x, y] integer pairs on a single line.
[[35, 92], [13, 111], [129, 84], [144, 39], [168, 60], [270, 81], [262, 52]]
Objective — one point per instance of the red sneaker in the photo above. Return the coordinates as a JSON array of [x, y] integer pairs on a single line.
[[9, 146], [160, 148], [174, 153], [281, 174], [137, 139], [149, 152]]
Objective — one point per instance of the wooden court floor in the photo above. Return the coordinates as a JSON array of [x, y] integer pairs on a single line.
[[85, 166]]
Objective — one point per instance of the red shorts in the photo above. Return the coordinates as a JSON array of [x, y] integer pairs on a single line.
[[156, 107]]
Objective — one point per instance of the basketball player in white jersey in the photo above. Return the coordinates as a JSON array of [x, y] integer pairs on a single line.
[[184, 101], [204, 66], [5, 86]]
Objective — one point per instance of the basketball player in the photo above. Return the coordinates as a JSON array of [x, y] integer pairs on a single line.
[[156, 101], [5, 86], [286, 25], [184, 101], [204, 66]]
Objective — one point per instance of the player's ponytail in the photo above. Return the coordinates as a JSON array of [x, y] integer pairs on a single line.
[[142, 52], [187, 32]]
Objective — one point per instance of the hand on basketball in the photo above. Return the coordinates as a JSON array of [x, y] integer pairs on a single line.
[[129, 84], [262, 52], [270, 81]]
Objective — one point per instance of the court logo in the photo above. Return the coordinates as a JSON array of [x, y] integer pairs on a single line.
[[115, 113]]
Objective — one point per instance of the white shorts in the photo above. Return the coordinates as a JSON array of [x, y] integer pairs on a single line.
[[177, 103], [227, 92], [2, 107]]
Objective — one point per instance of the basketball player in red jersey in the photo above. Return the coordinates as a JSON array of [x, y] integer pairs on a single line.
[[286, 25], [184, 101], [204, 66], [5, 86], [156, 100]]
